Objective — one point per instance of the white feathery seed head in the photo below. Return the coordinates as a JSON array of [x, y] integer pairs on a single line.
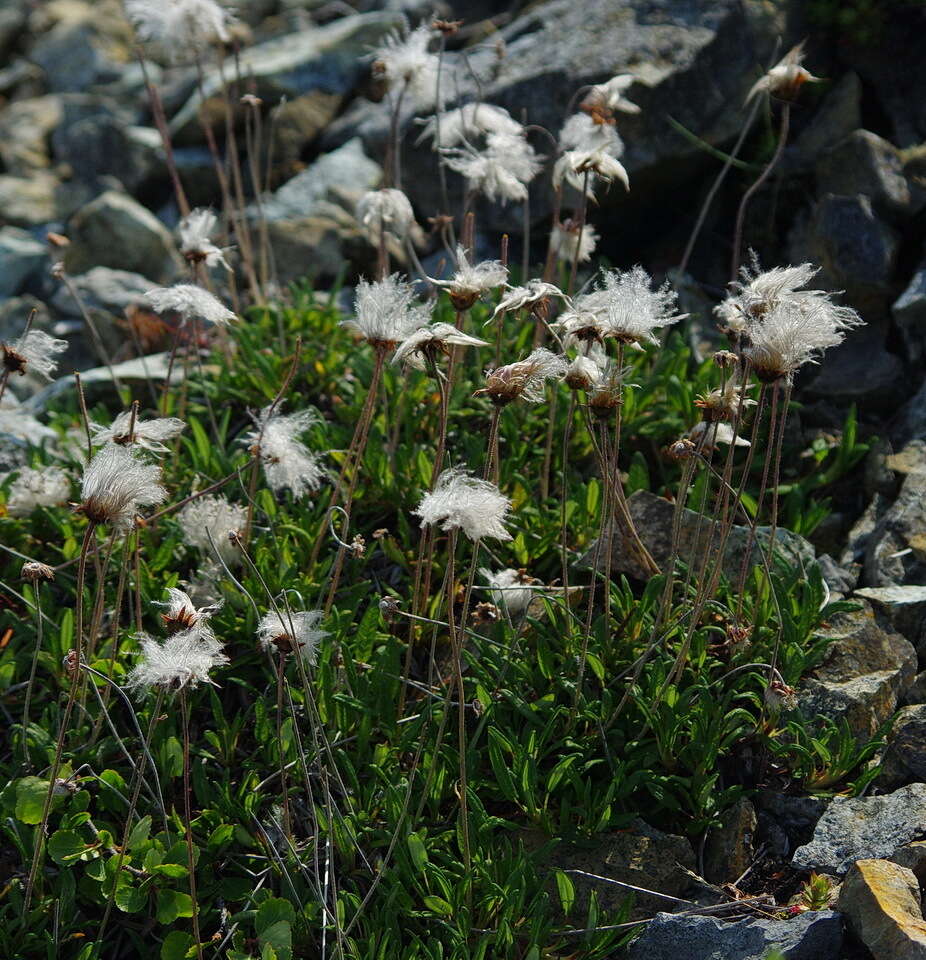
[[460, 501], [180, 613], [385, 211], [181, 27], [786, 78], [536, 296], [472, 281], [500, 171], [34, 352], [150, 435], [524, 379], [216, 516], [191, 302], [45, 487], [468, 123], [711, 434], [581, 132], [430, 342], [184, 659], [294, 630], [404, 63], [571, 237], [758, 291], [510, 589], [287, 461], [385, 312], [116, 484], [633, 309], [573, 165], [611, 95], [583, 373], [196, 244]]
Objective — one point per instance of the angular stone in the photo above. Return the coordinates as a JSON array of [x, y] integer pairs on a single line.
[[881, 902], [917, 692], [863, 828], [22, 260], [117, 232], [865, 163], [837, 116], [795, 817], [37, 199], [913, 857], [814, 935], [296, 124], [25, 129], [728, 851], [895, 553], [909, 312], [318, 247], [905, 608], [905, 756]]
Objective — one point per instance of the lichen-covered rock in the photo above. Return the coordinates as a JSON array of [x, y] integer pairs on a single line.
[[905, 608], [895, 553], [881, 903], [863, 828], [905, 755]]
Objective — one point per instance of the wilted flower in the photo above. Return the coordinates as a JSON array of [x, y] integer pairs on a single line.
[[384, 312], [183, 659], [472, 281], [709, 435], [463, 502], [385, 211], [500, 171], [604, 98], [427, 343], [573, 165], [633, 309], [116, 483], [287, 461], [34, 352], [572, 237], [404, 64], [780, 697], [147, 434], [536, 295], [191, 302], [181, 27], [196, 239], [47, 487], [468, 123], [33, 570], [291, 632], [524, 379], [182, 614], [582, 374], [511, 589], [786, 78], [216, 516]]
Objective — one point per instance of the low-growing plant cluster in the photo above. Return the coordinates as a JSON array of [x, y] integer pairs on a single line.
[[305, 644]]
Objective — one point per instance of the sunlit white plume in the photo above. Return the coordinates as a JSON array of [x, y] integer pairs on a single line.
[[192, 303], [34, 352], [44, 487], [385, 211], [405, 65], [196, 244], [287, 461], [181, 27], [430, 342], [463, 502], [469, 123], [524, 379], [471, 281], [147, 434], [288, 631], [385, 312], [116, 483], [216, 516]]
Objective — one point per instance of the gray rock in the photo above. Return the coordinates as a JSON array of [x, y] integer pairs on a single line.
[[895, 553], [917, 692], [25, 129], [881, 903], [913, 857], [296, 124], [905, 607], [862, 828], [653, 515], [117, 232], [837, 116], [37, 199], [857, 540], [867, 668], [22, 260], [814, 935], [793, 817], [318, 247], [329, 59], [12, 25], [905, 756], [693, 61], [911, 419], [728, 851], [909, 312], [838, 578], [865, 163]]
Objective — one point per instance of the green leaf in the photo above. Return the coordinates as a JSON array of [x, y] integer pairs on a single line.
[[418, 852], [65, 845], [567, 891], [173, 904], [273, 924], [139, 832], [438, 905], [176, 945], [172, 870], [131, 899], [30, 799]]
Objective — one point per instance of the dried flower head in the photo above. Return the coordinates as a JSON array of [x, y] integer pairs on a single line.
[[215, 516], [46, 487], [608, 393], [291, 632], [468, 124], [580, 168], [786, 78], [404, 65], [181, 27], [287, 461], [33, 570], [780, 697], [510, 589], [524, 379], [634, 310], [460, 501], [574, 240], [682, 449], [196, 244], [583, 373], [385, 312], [472, 281], [116, 483], [386, 211], [724, 403], [184, 659], [191, 303], [148, 434], [536, 296], [423, 347], [707, 436], [500, 171], [180, 613], [34, 352], [581, 132], [604, 98]]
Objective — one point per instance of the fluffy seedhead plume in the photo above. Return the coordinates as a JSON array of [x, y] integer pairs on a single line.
[[570, 238], [581, 132], [196, 244], [536, 296], [216, 516], [524, 379], [291, 632], [404, 64], [191, 303], [580, 168], [46, 487], [385, 312], [385, 211], [510, 589], [184, 659], [468, 124], [758, 292], [583, 373], [426, 344], [724, 403], [34, 352], [601, 102], [116, 484], [180, 613], [608, 392], [786, 78], [287, 461], [463, 502], [707, 436], [472, 281], [633, 309], [183, 28], [499, 171], [150, 435]]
